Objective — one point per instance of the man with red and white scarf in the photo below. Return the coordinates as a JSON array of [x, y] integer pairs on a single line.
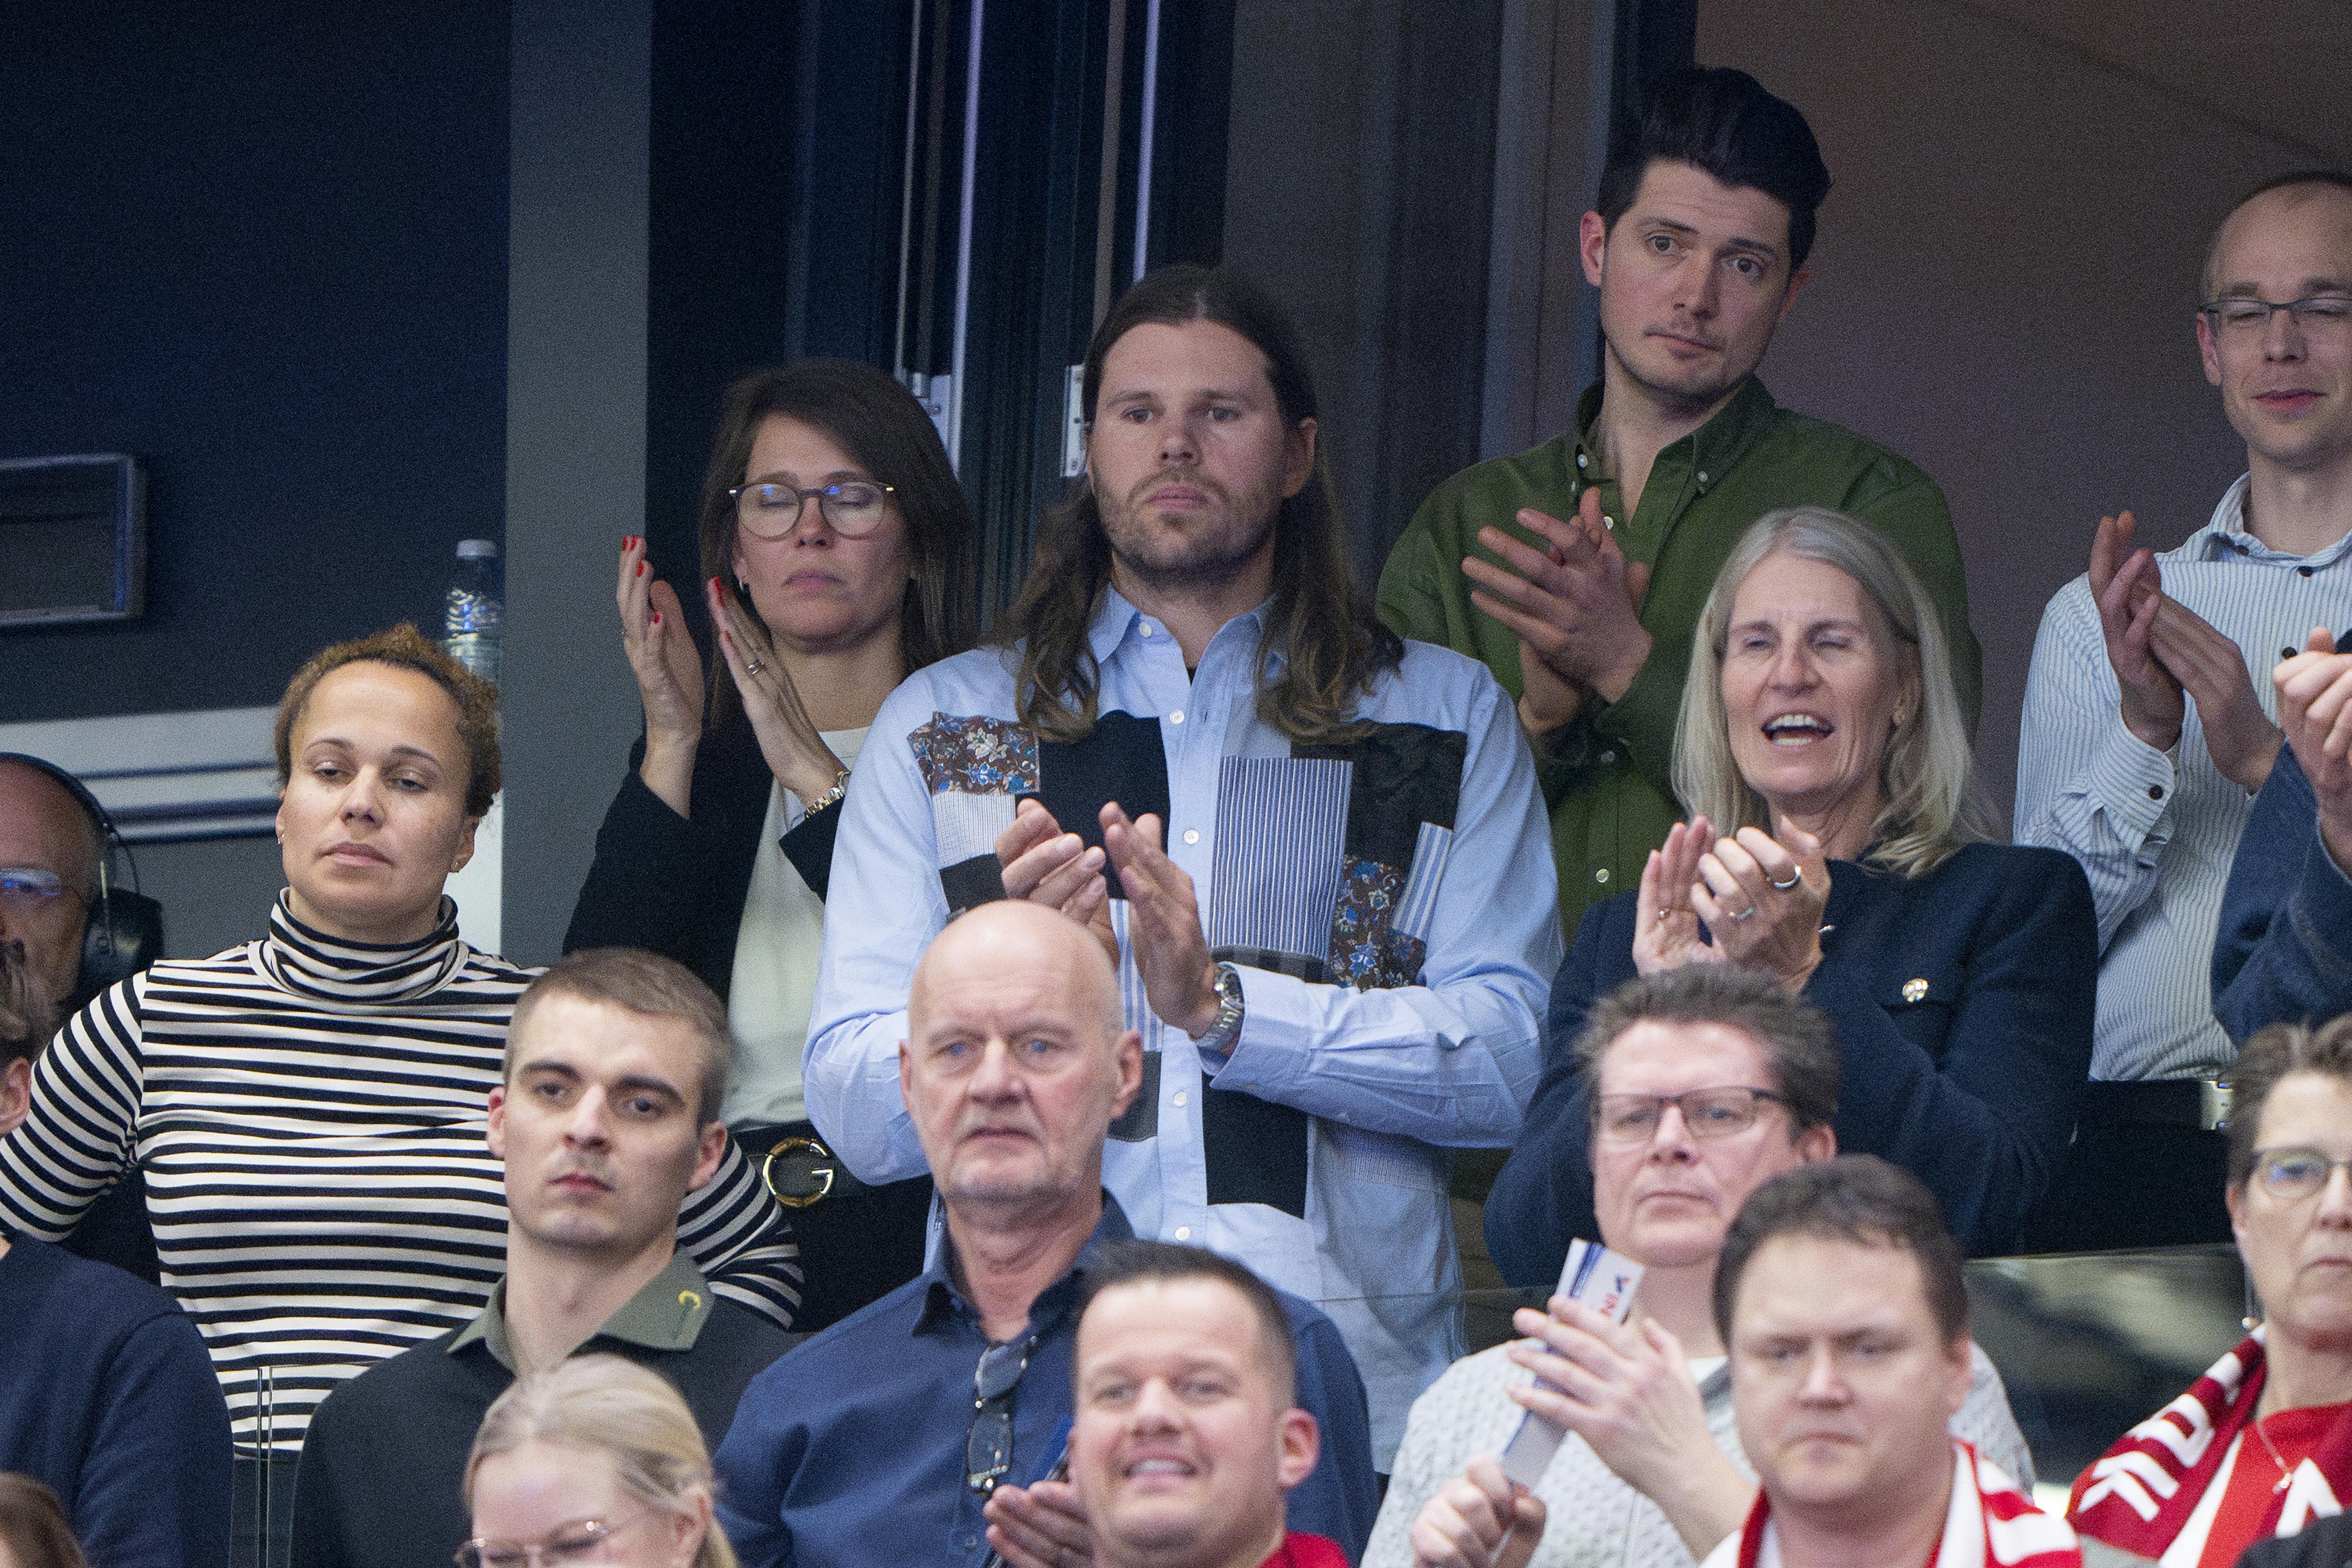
[[1839, 1296], [2262, 1445]]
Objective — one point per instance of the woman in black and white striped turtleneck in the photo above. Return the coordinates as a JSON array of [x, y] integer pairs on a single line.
[[308, 1109]]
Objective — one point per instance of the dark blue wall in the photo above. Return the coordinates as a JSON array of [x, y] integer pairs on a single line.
[[264, 248]]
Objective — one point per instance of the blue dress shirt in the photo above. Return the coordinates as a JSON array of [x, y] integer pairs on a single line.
[[1389, 902], [2155, 830], [849, 1452]]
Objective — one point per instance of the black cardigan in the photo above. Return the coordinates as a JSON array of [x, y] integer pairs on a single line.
[[676, 885]]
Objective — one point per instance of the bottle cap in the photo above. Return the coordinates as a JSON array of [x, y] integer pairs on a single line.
[[477, 550]]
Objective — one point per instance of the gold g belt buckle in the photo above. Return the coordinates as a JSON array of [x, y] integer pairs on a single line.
[[798, 1170]]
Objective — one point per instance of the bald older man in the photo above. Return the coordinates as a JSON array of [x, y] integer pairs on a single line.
[[882, 1439]]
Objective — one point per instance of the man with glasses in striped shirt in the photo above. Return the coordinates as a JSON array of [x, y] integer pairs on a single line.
[[2147, 729]]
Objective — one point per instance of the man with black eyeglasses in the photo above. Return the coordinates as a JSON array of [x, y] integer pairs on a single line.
[[929, 1426], [1710, 1081], [2147, 729]]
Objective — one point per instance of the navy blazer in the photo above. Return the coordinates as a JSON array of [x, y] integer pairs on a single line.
[[1972, 1084], [675, 885]]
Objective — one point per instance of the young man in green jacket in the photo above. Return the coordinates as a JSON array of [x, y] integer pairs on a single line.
[[1698, 248]]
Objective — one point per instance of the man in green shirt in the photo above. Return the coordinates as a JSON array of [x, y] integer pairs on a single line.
[[1698, 250]]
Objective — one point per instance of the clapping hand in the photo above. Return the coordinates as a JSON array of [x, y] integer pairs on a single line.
[[1039, 1526], [1759, 901], [1574, 605], [796, 750], [2127, 590], [668, 673], [1046, 865], [2314, 695]]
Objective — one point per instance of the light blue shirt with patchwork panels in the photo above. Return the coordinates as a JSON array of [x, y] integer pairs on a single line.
[[1387, 899]]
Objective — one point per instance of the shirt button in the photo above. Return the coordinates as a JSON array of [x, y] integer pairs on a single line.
[[1147, 628], [1608, 522], [2156, 792], [1702, 476], [1580, 459], [2303, 571], [1601, 875], [1183, 1100], [1192, 835], [1183, 1233], [1177, 716], [1607, 757]]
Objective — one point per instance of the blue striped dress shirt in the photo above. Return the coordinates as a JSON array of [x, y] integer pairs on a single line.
[[2156, 831]]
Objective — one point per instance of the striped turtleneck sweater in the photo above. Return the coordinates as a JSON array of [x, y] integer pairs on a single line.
[[309, 1114]]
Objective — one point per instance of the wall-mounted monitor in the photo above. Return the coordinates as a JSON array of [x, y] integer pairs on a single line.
[[73, 540]]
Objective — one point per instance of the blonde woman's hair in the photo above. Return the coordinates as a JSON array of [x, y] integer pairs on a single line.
[[1927, 774], [612, 1406]]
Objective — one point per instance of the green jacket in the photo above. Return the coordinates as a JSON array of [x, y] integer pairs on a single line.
[[1607, 776]]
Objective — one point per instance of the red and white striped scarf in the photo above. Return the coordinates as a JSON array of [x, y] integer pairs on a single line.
[[2139, 1495], [1990, 1524]]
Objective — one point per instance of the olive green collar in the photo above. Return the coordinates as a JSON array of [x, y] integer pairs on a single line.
[[1711, 449], [667, 1314]]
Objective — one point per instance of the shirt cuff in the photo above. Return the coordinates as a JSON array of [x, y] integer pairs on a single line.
[[2132, 781]]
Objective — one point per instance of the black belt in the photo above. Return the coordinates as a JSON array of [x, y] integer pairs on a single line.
[[2201, 1104]]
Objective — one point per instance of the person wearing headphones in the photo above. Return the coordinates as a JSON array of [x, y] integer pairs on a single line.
[[66, 934]]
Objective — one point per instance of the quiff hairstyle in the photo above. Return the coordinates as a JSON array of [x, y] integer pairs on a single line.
[[2313, 179], [1857, 1198], [1119, 1263], [1927, 773], [1323, 645], [609, 1405], [405, 648], [1724, 124], [883, 430], [642, 983], [2277, 1052], [1797, 1039]]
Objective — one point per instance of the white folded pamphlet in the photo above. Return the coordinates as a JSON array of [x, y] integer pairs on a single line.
[[1604, 1282]]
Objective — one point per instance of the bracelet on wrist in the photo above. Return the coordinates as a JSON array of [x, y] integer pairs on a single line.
[[830, 798]]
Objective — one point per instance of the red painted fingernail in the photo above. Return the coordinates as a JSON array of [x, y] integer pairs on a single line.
[[656, 617], [641, 568]]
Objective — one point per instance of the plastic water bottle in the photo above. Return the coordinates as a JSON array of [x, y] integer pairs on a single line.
[[474, 614]]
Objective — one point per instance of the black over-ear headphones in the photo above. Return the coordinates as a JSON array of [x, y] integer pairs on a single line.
[[125, 932]]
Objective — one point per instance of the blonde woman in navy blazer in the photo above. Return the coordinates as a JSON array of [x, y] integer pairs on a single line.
[[1833, 841]]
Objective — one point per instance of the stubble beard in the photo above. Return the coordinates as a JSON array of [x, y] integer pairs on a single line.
[[1207, 551]]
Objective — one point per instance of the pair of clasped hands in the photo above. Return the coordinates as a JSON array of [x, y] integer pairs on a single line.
[[2165, 655], [1759, 898], [1627, 1390], [668, 671]]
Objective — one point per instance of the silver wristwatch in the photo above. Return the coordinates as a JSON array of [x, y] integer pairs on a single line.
[[1228, 1027]]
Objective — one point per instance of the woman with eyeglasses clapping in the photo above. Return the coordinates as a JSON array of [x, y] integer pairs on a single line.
[[837, 556]]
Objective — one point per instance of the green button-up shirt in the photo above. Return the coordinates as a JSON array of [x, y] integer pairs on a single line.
[[1607, 776]]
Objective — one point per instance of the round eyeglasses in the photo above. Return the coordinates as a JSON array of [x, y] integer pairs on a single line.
[[770, 509], [2291, 1175], [1708, 1112]]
